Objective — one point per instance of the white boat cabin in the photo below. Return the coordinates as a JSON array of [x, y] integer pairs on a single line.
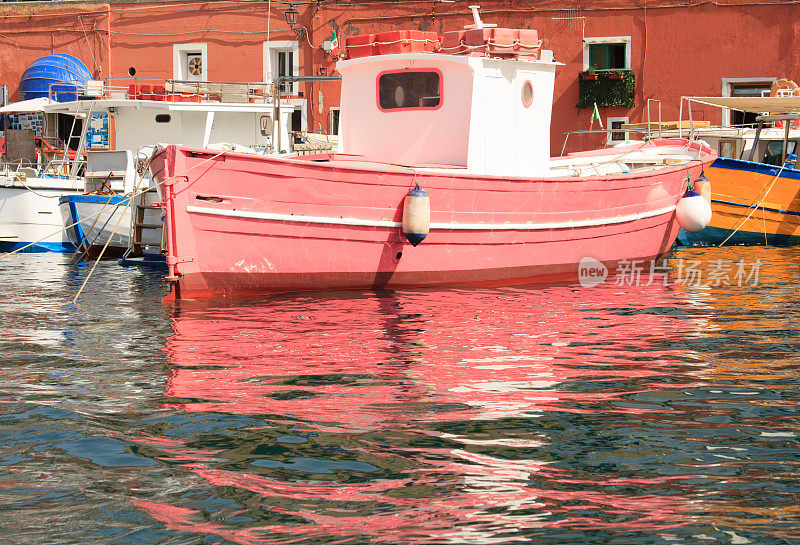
[[485, 114]]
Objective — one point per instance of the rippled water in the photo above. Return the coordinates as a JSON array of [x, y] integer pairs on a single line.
[[613, 414]]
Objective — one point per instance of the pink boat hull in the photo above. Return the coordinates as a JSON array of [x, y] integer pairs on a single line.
[[240, 223]]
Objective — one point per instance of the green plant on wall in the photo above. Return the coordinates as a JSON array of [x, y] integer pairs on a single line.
[[605, 90]]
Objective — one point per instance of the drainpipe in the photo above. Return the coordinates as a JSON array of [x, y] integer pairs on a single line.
[[110, 62], [276, 116]]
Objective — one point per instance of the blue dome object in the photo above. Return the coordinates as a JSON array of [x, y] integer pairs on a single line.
[[58, 76]]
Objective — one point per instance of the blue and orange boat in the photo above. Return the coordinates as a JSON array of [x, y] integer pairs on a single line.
[[755, 181]]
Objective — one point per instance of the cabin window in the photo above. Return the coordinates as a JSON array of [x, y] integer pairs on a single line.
[[527, 93], [607, 53], [266, 125], [773, 152], [727, 148], [410, 90], [163, 118]]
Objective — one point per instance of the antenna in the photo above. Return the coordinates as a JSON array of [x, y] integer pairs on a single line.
[[477, 17]]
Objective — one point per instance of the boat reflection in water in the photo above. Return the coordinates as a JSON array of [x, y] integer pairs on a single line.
[[418, 417]]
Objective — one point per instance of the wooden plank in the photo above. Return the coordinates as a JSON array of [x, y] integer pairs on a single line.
[[663, 126]]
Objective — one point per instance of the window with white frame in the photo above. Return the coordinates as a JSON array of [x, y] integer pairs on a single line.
[[607, 53], [744, 87], [190, 62], [281, 59], [615, 134]]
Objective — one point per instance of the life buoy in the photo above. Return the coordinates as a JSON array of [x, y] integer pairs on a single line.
[[783, 83], [789, 88], [795, 124]]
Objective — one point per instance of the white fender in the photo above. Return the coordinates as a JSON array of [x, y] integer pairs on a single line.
[[416, 215]]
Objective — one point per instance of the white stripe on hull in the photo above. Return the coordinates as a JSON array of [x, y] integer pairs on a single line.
[[269, 216]]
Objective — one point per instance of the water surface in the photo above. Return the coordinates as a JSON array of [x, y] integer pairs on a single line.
[[614, 414]]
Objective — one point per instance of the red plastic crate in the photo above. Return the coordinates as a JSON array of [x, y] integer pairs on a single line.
[[452, 42], [146, 91], [359, 46], [159, 92]]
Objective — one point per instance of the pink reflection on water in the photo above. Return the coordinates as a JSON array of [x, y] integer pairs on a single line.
[[404, 363]]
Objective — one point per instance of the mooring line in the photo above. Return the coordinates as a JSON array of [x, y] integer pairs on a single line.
[[136, 194]]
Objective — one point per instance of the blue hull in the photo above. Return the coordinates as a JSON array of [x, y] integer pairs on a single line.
[[714, 236], [38, 248], [741, 186]]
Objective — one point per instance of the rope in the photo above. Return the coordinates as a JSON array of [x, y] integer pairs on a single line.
[[492, 42], [130, 198], [138, 176], [88, 276], [778, 175], [85, 243], [18, 250], [26, 186], [401, 40]]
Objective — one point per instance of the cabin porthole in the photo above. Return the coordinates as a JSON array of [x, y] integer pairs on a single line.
[[163, 118], [527, 93]]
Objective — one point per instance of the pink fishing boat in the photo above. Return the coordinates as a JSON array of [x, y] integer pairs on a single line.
[[442, 178]]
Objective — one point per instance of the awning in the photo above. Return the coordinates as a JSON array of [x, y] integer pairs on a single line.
[[26, 106], [758, 105]]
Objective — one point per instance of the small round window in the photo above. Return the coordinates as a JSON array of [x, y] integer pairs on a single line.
[[527, 93], [163, 118]]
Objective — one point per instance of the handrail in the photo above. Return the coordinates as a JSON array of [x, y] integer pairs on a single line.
[[649, 134], [276, 84], [151, 88]]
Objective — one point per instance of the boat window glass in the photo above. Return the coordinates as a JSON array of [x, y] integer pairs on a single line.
[[527, 94], [773, 152], [406, 90], [163, 118], [727, 148]]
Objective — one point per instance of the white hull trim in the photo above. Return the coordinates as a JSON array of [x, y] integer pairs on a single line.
[[269, 216]]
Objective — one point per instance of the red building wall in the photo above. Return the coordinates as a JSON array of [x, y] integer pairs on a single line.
[[677, 49]]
